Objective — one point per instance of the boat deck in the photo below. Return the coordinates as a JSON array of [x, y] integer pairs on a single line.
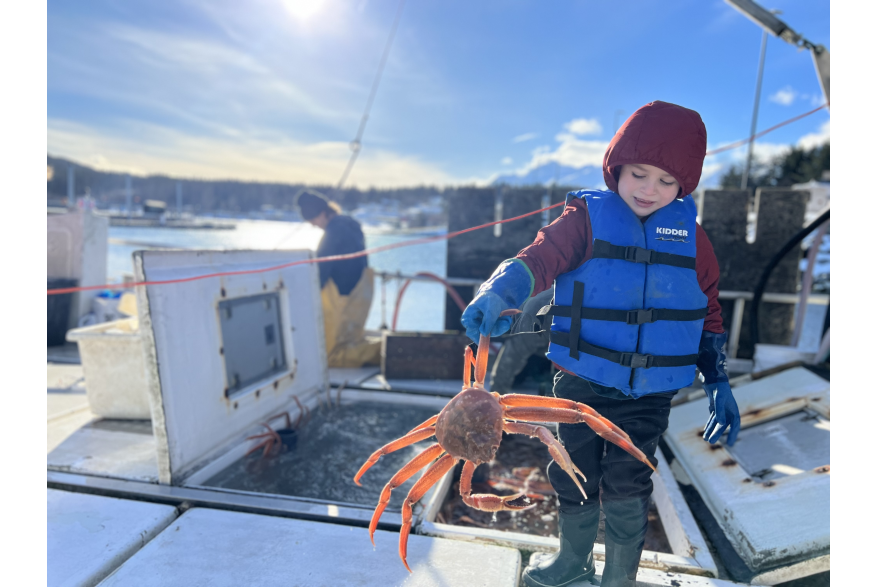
[[131, 541]]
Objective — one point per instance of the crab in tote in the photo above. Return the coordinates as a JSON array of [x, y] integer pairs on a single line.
[[469, 428], [271, 441]]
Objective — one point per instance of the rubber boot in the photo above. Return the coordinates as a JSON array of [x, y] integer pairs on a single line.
[[574, 561], [626, 524]]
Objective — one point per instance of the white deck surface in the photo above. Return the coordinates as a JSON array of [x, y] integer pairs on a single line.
[[88, 536], [219, 548], [62, 378], [107, 450], [80, 442], [651, 577], [66, 404]]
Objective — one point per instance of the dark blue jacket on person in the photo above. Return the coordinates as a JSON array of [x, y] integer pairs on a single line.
[[343, 235]]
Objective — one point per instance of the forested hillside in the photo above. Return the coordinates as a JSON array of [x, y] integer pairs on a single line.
[[203, 196]]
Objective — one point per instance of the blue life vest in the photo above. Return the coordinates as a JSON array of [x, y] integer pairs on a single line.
[[635, 309]]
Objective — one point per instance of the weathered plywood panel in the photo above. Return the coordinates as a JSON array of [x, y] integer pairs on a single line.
[[411, 355]]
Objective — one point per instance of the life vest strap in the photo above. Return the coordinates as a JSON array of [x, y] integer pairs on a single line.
[[575, 327], [635, 317], [632, 360], [606, 250]]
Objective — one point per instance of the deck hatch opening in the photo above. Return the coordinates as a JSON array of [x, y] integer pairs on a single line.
[[793, 444], [252, 350], [330, 446]]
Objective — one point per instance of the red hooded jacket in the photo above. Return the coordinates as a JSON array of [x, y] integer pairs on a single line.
[[664, 135]]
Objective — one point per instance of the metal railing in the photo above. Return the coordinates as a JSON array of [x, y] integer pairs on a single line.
[[464, 281], [740, 298]]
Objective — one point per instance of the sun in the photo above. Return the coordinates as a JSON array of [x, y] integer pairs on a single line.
[[302, 9]]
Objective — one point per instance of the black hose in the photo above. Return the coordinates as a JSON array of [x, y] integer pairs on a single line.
[[765, 275]]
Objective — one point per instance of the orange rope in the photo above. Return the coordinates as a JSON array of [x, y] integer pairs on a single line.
[[417, 241]]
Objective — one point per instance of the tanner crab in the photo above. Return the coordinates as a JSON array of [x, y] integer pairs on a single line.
[[470, 428]]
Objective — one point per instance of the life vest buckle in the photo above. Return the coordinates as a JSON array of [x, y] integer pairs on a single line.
[[636, 360], [639, 255], [636, 317]]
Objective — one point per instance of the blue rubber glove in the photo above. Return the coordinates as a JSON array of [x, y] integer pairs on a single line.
[[509, 287], [723, 406], [723, 413]]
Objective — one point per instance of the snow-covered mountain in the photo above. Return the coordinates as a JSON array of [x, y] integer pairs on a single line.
[[588, 176]]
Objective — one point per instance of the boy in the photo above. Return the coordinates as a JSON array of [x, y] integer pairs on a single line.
[[635, 310]]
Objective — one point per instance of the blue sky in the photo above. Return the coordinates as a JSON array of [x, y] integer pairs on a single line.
[[273, 90]]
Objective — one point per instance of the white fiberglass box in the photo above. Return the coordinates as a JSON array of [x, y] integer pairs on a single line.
[[115, 375], [225, 352], [769, 492]]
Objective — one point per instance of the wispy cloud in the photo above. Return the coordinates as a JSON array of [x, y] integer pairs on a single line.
[[572, 151], [784, 97], [506, 161], [815, 139], [525, 137], [142, 148], [583, 126], [716, 165], [244, 100]]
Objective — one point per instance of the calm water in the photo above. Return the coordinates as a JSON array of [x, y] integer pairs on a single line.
[[422, 307], [329, 449]]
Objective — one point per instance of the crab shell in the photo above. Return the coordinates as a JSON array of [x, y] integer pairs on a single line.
[[470, 426]]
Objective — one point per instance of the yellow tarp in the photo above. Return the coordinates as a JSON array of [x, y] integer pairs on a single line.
[[344, 321]]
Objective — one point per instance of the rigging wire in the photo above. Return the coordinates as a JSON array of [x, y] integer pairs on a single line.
[[356, 143], [742, 142]]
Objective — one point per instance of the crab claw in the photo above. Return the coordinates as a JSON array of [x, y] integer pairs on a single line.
[[487, 502], [495, 503]]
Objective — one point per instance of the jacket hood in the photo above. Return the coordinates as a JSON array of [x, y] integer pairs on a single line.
[[661, 134]]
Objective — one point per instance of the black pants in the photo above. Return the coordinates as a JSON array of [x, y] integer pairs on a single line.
[[612, 473], [614, 478]]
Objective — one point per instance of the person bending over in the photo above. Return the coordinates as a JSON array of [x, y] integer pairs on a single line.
[[347, 286]]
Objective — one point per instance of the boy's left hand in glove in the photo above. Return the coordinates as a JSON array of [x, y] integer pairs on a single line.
[[723, 413], [723, 406]]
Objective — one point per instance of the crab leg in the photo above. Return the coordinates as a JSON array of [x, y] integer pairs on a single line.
[[609, 431], [432, 475], [523, 400], [264, 443], [271, 434], [468, 361], [481, 361], [301, 410], [555, 449], [429, 422], [405, 473], [485, 501], [408, 439]]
